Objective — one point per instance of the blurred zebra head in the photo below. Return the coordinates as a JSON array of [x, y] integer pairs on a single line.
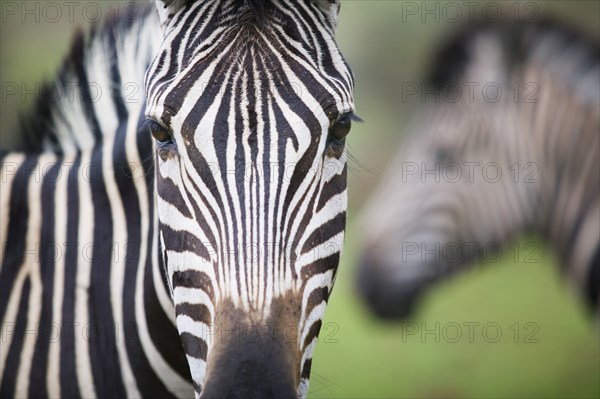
[[514, 151], [250, 103], [448, 199]]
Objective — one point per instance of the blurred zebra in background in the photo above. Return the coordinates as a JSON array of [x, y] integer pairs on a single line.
[[517, 152], [200, 260]]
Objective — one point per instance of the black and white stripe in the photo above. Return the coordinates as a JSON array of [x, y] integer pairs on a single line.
[[439, 209], [110, 253]]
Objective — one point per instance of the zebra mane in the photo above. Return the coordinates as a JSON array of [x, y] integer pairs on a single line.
[[520, 42], [256, 9], [256, 6], [50, 124]]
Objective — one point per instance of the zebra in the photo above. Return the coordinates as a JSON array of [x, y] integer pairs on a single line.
[[181, 239], [478, 170]]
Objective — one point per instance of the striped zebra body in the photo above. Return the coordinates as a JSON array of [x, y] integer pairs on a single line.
[[222, 234], [82, 290], [477, 172]]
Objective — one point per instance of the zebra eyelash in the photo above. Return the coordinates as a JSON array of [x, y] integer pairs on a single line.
[[162, 135], [351, 114], [356, 118], [151, 124]]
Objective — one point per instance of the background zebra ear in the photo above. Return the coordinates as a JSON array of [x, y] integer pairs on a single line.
[[331, 9]]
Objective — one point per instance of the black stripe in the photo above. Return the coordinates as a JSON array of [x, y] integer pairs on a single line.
[[201, 220], [280, 126], [18, 219], [101, 339], [115, 75], [320, 266], [37, 379], [77, 63], [194, 279], [184, 241], [312, 333], [148, 383], [240, 171], [335, 186], [315, 298], [197, 312], [196, 46], [305, 221], [68, 370], [267, 182], [175, 198], [163, 333], [194, 346], [306, 368], [327, 67], [326, 232], [9, 375]]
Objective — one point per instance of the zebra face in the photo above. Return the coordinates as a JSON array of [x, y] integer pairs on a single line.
[[249, 106], [450, 199]]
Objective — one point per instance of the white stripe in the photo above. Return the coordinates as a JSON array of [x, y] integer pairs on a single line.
[[120, 236], [193, 296], [321, 251], [32, 241], [173, 382], [315, 282], [84, 268], [195, 328], [164, 297], [60, 234], [303, 389], [315, 315]]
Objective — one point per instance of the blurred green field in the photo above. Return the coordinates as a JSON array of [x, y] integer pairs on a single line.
[[553, 351], [359, 356]]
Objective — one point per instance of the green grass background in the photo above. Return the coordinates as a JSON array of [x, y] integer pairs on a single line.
[[359, 356]]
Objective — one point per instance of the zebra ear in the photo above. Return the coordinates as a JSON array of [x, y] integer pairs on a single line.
[[331, 10], [168, 8], [176, 5]]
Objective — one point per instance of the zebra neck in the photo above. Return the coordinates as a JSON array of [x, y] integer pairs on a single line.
[[100, 84], [566, 121]]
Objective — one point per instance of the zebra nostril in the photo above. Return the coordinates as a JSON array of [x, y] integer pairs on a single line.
[[388, 297]]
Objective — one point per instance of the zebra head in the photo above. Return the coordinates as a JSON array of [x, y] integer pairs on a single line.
[[466, 181], [249, 103], [448, 200]]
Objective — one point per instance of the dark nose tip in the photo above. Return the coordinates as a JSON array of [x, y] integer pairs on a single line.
[[251, 380], [252, 361], [386, 295]]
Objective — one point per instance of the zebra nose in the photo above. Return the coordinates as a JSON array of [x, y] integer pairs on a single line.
[[387, 294], [250, 379], [257, 364]]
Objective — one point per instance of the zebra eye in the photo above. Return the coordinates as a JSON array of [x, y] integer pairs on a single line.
[[159, 132], [341, 128]]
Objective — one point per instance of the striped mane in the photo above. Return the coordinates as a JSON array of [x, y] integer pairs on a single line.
[[547, 42], [95, 76], [250, 10], [177, 5]]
